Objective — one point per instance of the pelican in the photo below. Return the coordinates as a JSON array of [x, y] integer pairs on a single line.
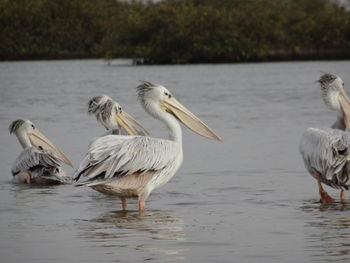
[[133, 166], [326, 152], [40, 161], [109, 113]]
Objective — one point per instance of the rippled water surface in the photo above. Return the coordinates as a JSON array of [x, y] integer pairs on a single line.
[[248, 199]]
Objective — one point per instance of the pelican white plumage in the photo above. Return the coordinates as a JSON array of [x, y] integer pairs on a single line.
[[111, 115], [326, 152], [133, 166], [40, 161]]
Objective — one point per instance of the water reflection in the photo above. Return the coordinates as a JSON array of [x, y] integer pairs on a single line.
[[328, 231], [30, 195], [154, 235], [159, 224]]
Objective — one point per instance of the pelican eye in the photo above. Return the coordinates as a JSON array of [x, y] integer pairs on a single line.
[[167, 94], [120, 109], [33, 126]]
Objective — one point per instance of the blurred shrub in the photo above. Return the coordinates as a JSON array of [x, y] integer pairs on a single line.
[[175, 31]]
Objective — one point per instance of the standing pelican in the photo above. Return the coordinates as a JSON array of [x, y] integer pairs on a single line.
[[133, 166], [109, 114], [40, 161], [326, 152]]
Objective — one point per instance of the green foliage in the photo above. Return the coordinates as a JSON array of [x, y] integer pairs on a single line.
[[45, 28], [174, 31]]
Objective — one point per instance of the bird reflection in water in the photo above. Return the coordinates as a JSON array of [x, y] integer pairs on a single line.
[[328, 232], [155, 235]]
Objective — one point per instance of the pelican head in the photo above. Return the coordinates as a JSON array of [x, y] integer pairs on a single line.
[[332, 88], [156, 98], [29, 136], [112, 116], [96, 103], [333, 93]]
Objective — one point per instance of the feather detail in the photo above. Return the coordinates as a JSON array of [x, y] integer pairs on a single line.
[[116, 156], [327, 152]]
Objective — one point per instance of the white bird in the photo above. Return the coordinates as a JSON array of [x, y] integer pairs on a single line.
[[326, 152], [109, 113], [40, 161], [133, 166]]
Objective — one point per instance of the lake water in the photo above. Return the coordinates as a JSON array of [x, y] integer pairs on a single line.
[[248, 199]]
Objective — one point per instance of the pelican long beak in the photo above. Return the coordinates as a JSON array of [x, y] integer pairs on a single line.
[[345, 107], [129, 124], [174, 107], [39, 140]]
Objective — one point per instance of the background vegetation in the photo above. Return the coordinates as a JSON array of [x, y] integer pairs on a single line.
[[175, 31]]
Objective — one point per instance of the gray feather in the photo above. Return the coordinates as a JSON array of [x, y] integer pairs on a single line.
[[326, 151], [143, 88], [15, 125], [102, 107], [326, 79], [114, 156], [40, 163]]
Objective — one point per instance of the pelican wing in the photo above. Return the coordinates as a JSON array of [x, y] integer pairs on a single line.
[[114, 155], [327, 152], [32, 158]]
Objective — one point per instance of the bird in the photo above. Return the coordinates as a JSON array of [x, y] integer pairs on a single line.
[[133, 166], [325, 151], [108, 112], [40, 161]]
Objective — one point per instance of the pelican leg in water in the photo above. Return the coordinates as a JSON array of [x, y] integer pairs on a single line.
[[133, 166], [326, 152], [343, 196], [27, 178], [40, 161], [325, 197], [109, 113], [124, 203]]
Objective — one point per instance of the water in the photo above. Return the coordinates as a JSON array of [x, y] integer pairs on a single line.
[[248, 199]]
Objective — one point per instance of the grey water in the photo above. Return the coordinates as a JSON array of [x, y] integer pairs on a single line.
[[248, 199]]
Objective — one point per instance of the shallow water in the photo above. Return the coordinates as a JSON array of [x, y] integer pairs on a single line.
[[248, 199]]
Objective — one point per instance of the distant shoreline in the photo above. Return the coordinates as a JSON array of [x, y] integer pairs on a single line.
[[170, 32], [274, 56]]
